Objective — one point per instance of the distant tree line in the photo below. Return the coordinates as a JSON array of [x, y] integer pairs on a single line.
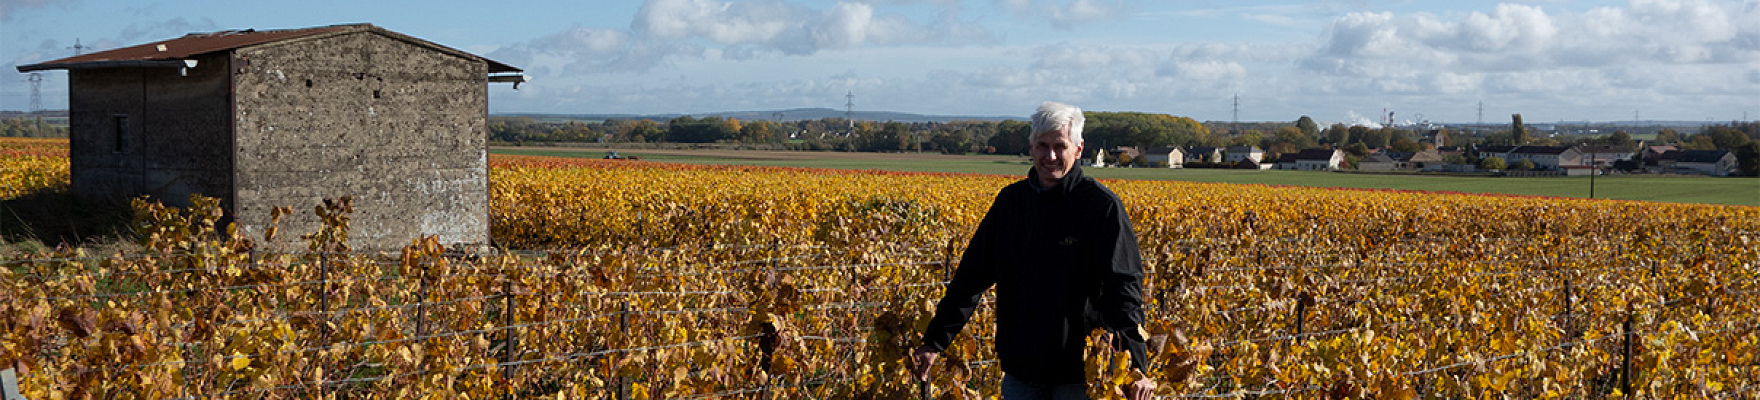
[[29, 127], [1001, 137], [1103, 130]]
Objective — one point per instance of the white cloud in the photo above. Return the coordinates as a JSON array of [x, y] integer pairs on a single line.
[[1073, 57], [1275, 20], [1217, 65], [1582, 64], [1080, 12], [1639, 51], [592, 50], [724, 23], [1209, 70], [666, 30], [939, 2], [846, 25], [1518, 38], [1062, 15]]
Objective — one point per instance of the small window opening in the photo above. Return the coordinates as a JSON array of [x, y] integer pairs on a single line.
[[121, 132], [308, 83], [376, 93]]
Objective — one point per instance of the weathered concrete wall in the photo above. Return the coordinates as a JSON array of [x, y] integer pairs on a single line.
[[398, 126], [175, 142]]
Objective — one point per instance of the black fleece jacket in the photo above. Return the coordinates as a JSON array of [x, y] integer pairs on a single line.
[[1064, 261]]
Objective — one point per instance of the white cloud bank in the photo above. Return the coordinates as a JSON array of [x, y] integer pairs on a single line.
[[1687, 58], [664, 30], [1515, 44]]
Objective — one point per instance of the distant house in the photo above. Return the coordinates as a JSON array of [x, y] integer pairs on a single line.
[[1708, 162], [1203, 154], [1422, 159], [1250, 164], [1664, 160], [1602, 155], [1438, 137], [272, 118], [1543, 157], [1234, 154], [1377, 163], [1313, 160], [1652, 155], [1123, 153], [1170, 157]]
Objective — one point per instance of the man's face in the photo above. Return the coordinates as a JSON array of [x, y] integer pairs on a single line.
[[1054, 154]]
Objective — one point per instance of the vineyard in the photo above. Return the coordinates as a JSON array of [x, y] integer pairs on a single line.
[[32, 165], [631, 280]]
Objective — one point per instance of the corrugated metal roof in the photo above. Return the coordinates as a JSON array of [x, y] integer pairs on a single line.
[[203, 43]]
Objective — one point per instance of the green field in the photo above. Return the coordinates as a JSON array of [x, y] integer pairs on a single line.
[[1679, 189]]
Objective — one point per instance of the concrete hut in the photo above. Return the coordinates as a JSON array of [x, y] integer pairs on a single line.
[[270, 118]]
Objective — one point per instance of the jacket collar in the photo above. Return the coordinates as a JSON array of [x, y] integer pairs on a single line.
[[1067, 184]]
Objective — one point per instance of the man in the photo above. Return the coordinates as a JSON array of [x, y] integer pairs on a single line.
[[1060, 251]]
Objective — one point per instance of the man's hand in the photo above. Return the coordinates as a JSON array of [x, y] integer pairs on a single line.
[[921, 360], [1142, 389]]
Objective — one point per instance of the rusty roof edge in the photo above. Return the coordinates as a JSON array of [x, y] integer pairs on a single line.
[[105, 64], [83, 62], [316, 32]]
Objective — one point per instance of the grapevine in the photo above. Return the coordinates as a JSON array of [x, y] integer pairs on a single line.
[[646, 280]]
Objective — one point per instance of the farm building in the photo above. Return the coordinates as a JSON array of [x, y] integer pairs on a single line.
[[1203, 154], [1166, 156], [1708, 162], [262, 119], [1543, 157], [1313, 160], [1379, 162], [1234, 154]]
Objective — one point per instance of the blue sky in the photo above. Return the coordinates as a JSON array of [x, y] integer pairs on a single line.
[[1338, 61]]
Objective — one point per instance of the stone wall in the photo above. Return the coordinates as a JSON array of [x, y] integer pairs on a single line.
[[398, 126]]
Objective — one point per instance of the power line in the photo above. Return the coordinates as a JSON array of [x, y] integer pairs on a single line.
[[849, 110], [36, 80], [1237, 112], [78, 48]]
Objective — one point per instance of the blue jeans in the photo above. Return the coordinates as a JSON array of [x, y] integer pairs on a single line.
[[1016, 389]]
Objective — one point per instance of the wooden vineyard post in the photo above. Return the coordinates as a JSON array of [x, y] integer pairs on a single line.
[[622, 328], [422, 314], [422, 297], [1570, 309], [1302, 302], [324, 276], [509, 344], [1625, 375]]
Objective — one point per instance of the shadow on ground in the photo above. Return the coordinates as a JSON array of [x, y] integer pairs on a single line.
[[51, 218]]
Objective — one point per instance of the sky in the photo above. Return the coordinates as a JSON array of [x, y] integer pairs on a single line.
[[1336, 61]]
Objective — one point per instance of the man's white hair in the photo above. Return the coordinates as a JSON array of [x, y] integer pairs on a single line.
[[1053, 116]]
